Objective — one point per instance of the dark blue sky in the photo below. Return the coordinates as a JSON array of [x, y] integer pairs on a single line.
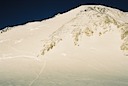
[[15, 12]]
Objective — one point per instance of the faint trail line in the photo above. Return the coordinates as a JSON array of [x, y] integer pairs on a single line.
[[41, 71], [13, 57]]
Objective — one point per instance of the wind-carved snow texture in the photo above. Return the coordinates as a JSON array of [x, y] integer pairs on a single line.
[[89, 21]]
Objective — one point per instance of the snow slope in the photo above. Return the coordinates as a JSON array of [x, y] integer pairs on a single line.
[[86, 46]]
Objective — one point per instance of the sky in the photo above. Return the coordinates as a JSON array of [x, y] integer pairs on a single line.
[[19, 12]]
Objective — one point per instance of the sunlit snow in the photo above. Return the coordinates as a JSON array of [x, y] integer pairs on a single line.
[[86, 46]]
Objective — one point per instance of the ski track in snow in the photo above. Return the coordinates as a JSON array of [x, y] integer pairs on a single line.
[[18, 56], [30, 57], [40, 72]]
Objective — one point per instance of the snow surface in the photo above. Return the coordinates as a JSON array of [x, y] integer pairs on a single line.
[[86, 46]]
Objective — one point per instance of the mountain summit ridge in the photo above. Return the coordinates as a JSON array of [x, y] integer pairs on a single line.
[[90, 20]]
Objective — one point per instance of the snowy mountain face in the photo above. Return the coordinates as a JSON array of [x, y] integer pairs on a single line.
[[86, 46], [95, 20]]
